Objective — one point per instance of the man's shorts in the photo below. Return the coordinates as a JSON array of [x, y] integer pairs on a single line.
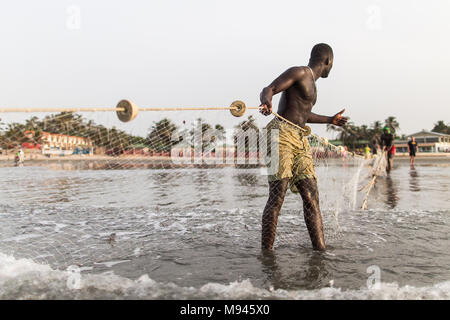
[[391, 152], [294, 154]]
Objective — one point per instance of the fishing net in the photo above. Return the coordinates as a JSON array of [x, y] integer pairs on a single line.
[[67, 178]]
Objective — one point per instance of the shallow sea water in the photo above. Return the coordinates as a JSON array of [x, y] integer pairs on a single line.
[[195, 234]]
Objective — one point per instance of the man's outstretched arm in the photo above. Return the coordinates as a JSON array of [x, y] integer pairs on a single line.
[[337, 119], [316, 118], [283, 82]]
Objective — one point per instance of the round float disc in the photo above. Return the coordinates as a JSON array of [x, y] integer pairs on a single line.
[[130, 112], [308, 131], [237, 108]]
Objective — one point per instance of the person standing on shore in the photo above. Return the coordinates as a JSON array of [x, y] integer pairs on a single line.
[[19, 158], [367, 151], [412, 146]]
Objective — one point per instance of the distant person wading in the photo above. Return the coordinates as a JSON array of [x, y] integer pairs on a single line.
[[412, 146]]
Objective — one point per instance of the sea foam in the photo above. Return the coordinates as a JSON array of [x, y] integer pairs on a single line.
[[25, 279]]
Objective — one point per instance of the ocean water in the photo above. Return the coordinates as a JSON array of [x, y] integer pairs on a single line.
[[67, 232]]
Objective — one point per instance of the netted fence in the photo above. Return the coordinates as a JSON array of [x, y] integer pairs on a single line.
[[294, 180]]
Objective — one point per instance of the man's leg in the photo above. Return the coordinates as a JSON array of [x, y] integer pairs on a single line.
[[277, 191], [388, 168], [311, 211]]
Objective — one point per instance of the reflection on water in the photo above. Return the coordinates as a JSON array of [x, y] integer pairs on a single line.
[[413, 180], [112, 164], [391, 193], [423, 186], [195, 226], [286, 274], [164, 178], [247, 179], [63, 192]]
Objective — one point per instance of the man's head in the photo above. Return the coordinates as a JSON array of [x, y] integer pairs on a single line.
[[413, 138], [322, 55], [387, 130]]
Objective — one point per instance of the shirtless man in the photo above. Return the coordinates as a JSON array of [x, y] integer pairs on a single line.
[[295, 163]]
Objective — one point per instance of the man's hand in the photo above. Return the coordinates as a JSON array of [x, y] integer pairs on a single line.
[[338, 119], [265, 108]]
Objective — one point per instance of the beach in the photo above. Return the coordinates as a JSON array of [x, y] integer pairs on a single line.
[[191, 233]]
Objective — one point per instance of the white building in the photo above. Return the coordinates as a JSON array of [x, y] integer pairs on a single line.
[[63, 142], [426, 142]]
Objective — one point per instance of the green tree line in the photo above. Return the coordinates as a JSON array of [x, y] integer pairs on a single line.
[[67, 123], [351, 135], [441, 127], [161, 133], [160, 137]]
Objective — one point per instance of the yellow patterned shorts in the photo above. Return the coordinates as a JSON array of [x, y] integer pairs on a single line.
[[294, 154]]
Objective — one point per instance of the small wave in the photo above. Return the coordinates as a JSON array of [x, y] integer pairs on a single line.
[[25, 279]]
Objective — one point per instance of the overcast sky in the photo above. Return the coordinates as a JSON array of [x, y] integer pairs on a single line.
[[391, 57]]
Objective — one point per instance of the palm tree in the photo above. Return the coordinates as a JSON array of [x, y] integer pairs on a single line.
[[392, 124], [160, 136], [441, 127], [344, 133], [2, 134], [220, 130], [377, 128], [246, 125], [364, 132], [203, 127]]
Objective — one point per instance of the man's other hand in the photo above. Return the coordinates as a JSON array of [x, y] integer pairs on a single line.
[[338, 119]]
